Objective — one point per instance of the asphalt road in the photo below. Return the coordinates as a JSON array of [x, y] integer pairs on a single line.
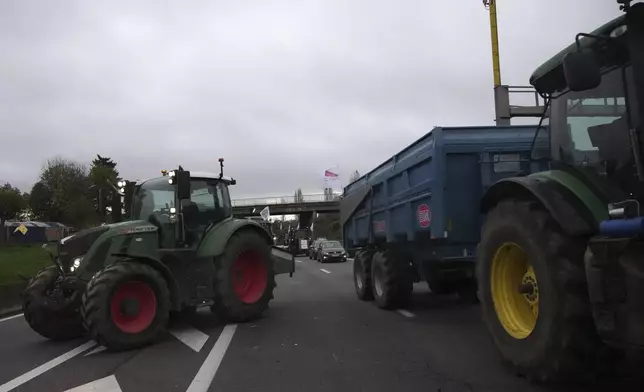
[[316, 337]]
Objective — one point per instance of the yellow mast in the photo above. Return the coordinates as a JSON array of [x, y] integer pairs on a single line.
[[490, 5]]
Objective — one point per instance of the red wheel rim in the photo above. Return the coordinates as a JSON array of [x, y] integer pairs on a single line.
[[249, 277], [143, 294]]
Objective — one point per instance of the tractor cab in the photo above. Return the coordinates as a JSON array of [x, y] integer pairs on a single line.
[[183, 205], [595, 96]]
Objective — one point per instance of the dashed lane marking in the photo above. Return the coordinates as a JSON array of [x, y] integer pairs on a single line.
[[208, 369], [30, 375], [96, 350], [406, 313], [107, 384], [191, 337], [325, 271], [11, 317]]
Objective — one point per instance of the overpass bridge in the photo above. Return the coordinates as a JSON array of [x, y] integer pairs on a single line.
[[287, 205]]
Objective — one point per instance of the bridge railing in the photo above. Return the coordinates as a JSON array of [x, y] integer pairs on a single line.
[[267, 201]]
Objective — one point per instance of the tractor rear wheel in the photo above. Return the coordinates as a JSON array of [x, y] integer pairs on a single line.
[[126, 305], [362, 274], [244, 277], [391, 280], [533, 293], [49, 310]]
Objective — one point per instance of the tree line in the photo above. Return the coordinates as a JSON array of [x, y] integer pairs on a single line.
[[82, 196], [67, 192]]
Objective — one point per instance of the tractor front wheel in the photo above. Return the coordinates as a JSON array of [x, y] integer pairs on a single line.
[[244, 278], [126, 305], [533, 293], [50, 310]]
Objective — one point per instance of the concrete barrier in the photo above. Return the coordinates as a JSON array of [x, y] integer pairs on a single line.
[[10, 301]]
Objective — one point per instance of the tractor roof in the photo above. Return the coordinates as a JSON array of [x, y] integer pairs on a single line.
[[194, 174], [549, 77]]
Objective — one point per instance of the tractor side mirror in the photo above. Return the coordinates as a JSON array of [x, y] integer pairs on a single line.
[[582, 71], [183, 184]]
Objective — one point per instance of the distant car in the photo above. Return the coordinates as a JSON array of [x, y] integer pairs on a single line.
[[330, 251], [314, 246]]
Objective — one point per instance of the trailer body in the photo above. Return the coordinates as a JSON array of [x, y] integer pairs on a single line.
[[424, 202]]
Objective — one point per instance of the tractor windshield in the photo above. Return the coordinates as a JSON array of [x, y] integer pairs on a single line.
[[154, 196], [591, 128]]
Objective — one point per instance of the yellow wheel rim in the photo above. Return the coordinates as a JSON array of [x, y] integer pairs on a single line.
[[515, 292]]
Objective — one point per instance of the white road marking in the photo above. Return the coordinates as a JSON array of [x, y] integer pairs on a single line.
[[325, 271], [11, 317], [298, 261], [406, 313], [191, 337], [207, 371], [96, 350], [107, 384], [18, 381]]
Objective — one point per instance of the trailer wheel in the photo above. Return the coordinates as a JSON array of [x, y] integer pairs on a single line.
[[362, 275], [533, 293], [42, 310], [244, 278], [126, 305], [391, 280]]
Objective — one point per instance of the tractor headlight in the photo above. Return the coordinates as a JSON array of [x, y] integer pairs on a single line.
[[76, 263]]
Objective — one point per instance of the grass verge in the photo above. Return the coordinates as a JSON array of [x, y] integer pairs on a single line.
[[21, 259]]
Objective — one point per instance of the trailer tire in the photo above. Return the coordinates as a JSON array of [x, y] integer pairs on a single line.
[[391, 280], [244, 278], [58, 324], [362, 275], [557, 340]]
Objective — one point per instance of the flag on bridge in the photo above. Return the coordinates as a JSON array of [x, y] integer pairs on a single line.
[[265, 213], [330, 175]]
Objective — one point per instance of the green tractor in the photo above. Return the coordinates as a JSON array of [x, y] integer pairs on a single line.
[[181, 249], [560, 264]]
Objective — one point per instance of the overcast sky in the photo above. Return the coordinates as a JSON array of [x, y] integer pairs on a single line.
[[281, 89]]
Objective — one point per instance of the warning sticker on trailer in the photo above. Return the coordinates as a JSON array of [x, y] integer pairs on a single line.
[[424, 215]]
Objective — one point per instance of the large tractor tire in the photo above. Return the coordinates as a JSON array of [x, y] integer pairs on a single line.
[[391, 280], [52, 313], [244, 278], [533, 293], [126, 306], [362, 274]]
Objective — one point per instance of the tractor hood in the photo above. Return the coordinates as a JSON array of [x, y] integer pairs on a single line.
[[77, 245]]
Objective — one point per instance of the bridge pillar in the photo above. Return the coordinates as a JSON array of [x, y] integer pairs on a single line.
[[306, 218]]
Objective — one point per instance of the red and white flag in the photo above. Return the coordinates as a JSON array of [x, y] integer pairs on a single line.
[[330, 175]]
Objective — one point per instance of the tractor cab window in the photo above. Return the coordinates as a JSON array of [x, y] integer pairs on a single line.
[[590, 129], [152, 202], [206, 207]]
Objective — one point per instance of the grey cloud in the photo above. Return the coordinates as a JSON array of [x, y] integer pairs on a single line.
[[281, 89]]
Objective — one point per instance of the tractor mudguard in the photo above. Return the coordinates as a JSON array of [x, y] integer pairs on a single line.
[[175, 299], [216, 239], [573, 206], [283, 261]]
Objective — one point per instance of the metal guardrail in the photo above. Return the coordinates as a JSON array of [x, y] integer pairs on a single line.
[[267, 201]]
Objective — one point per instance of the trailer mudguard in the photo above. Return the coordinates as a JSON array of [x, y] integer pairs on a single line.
[[571, 203]]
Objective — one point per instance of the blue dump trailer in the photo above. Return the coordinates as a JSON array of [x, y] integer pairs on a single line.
[[416, 217]]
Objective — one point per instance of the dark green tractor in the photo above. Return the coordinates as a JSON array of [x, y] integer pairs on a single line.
[[561, 258], [181, 250]]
